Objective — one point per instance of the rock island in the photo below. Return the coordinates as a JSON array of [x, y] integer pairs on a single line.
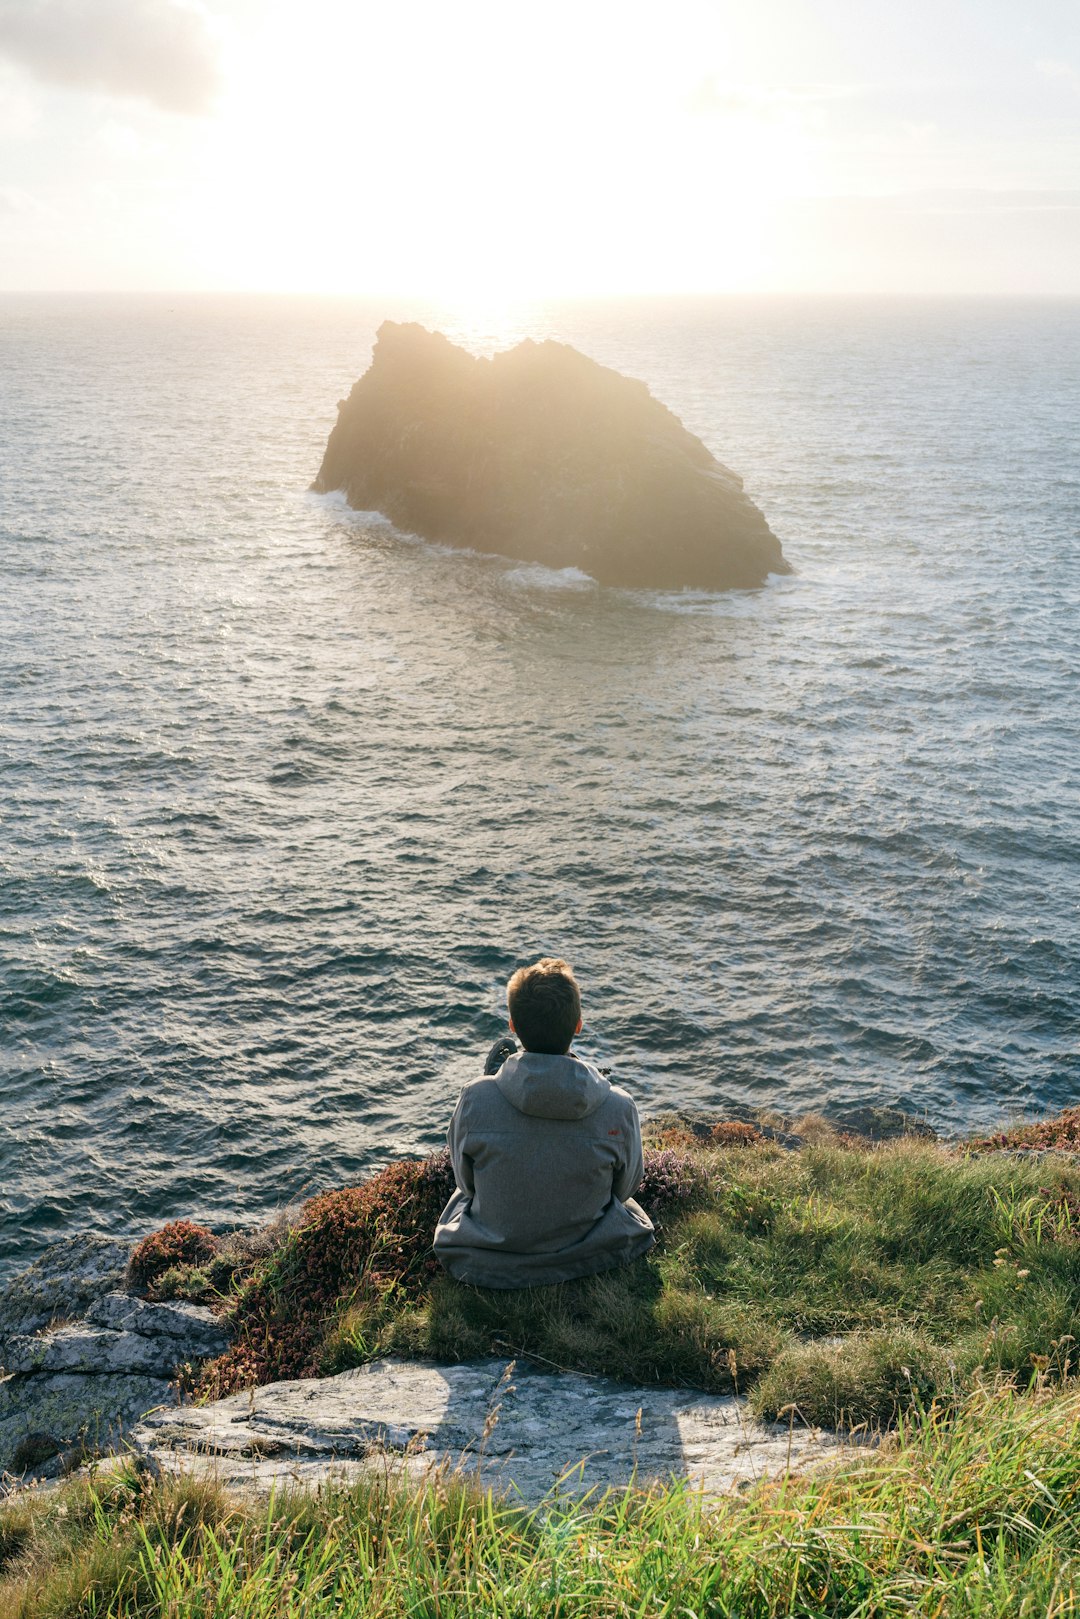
[[545, 456]]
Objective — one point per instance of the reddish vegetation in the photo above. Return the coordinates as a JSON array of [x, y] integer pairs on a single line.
[[359, 1242], [674, 1135], [1061, 1132], [361, 1245], [181, 1242], [733, 1134]]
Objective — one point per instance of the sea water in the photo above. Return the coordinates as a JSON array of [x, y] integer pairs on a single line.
[[286, 795]]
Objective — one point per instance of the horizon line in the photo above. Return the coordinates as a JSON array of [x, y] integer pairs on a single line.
[[531, 297]]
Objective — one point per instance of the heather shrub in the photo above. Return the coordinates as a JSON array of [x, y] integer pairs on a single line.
[[234, 1260], [672, 1180], [349, 1247], [1060, 1133], [180, 1243], [672, 1135], [732, 1133]]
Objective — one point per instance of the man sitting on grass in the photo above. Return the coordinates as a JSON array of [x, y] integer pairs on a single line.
[[546, 1154]]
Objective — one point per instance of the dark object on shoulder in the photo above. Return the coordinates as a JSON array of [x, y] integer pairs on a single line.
[[504, 1047]]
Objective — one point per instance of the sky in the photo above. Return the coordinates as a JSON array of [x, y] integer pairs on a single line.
[[520, 149]]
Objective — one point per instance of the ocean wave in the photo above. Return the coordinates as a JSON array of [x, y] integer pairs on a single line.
[[336, 501], [535, 576]]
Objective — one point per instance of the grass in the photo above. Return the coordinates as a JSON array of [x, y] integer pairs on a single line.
[[906, 1286], [842, 1282], [976, 1513]]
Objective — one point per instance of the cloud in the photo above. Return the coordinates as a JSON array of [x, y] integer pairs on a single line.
[[983, 200], [711, 95], [1062, 72], [156, 50], [14, 201], [20, 108]]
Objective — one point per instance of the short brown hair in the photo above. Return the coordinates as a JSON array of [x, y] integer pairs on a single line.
[[545, 1005]]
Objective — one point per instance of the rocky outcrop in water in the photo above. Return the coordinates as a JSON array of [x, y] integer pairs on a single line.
[[542, 455], [81, 1359]]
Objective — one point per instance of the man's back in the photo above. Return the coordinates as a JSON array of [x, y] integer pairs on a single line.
[[547, 1155]]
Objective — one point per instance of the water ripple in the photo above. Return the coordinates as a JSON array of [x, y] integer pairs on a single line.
[[286, 795]]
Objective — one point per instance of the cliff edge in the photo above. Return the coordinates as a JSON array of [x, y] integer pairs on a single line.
[[542, 455]]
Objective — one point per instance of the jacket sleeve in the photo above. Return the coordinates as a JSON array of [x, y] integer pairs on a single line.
[[628, 1175], [459, 1158]]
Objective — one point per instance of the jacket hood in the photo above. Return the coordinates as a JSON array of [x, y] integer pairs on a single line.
[[549, 1087]]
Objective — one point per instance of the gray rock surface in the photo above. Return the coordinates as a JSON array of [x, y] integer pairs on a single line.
[[81, 1360], [67, 1414], [165, 1337], [198, 1330], [62, 1284], [515, 1429]]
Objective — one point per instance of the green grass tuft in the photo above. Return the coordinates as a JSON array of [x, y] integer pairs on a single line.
[[180, 1243], [853, 1383]]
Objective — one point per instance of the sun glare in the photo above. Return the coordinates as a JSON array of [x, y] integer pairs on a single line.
[[494, 152], [494, 166]]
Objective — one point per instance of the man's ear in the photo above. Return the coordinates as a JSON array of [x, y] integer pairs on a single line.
[[579, 1023], [510, 1021]]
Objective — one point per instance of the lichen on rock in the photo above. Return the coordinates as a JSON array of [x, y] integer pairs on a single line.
[[82, 1360], [62, 1283]]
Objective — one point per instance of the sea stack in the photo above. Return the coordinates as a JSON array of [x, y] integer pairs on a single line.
[[542, 455]]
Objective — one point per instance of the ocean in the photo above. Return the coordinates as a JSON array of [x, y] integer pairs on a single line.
[[286, 795]]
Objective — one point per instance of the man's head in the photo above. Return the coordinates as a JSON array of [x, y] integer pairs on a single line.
[[545, 1005]]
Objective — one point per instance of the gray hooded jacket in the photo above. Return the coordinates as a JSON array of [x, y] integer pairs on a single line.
[[546, 1156]]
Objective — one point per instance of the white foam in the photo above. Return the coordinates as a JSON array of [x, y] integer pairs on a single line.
[[530, 574], [724, 603], [535, 576], [335, 501]]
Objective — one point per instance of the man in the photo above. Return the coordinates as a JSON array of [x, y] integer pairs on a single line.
[[546, 1154]]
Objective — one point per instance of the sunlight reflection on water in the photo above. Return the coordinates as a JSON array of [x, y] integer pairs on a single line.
[[287, 794]]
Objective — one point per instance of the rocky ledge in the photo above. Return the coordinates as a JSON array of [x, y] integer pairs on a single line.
[[542, 455], [509, 1427], [81, 1358], [91, 1368]]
